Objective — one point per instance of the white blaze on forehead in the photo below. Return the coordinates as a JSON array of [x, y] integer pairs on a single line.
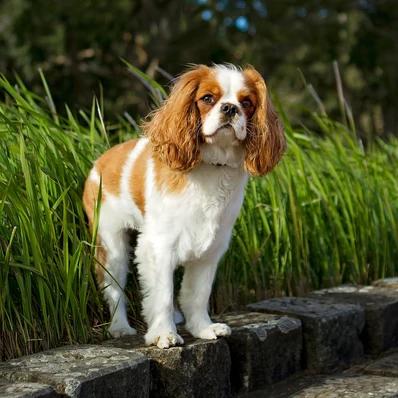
[[231, 81]]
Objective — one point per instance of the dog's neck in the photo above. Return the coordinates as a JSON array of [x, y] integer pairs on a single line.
[[219, 156]]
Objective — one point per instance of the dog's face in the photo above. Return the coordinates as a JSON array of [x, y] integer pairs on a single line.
[[215, 113], [226, 103]]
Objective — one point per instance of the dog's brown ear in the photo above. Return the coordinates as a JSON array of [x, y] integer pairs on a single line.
[[265, 142], [174, 128]]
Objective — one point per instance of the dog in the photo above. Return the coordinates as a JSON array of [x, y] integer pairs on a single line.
[[181, 186]]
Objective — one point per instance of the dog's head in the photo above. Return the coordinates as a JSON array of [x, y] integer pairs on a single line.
[[221, 115]]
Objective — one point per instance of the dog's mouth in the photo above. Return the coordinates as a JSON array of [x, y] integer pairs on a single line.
[[226, 127]]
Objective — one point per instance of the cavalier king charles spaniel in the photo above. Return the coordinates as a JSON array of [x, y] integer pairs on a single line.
[[181, 187]]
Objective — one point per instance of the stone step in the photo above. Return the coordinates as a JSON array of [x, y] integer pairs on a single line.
[[264, 349], [380, 304], [199, 368], [27, 390], [83, 372], [330, 331]]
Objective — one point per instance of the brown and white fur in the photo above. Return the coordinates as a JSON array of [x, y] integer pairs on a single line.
[[181, 187]]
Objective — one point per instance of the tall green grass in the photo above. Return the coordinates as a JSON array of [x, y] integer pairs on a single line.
[[47, 291], [328, 214]]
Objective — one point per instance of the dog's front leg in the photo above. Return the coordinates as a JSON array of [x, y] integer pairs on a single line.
[[156, 270], [194, 298]]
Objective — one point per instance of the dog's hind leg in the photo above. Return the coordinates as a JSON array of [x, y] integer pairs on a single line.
[[114, 253]]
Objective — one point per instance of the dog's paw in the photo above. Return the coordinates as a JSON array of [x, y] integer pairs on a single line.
[[163, 339], [117, 330], [213, 331]]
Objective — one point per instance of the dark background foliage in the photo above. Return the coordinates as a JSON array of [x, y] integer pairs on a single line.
[[79, 43]]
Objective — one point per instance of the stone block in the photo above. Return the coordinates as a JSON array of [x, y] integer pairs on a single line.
[[381, 313], [264, 349], [25, 390], [84, 371], [199, 368], [330, 331]]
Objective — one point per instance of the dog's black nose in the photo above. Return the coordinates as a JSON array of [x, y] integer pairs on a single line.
[[229, 109]]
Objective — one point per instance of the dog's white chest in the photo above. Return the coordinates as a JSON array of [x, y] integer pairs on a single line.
[[208, 211]]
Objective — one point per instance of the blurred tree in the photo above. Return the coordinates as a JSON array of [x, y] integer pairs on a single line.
[[78, 44]]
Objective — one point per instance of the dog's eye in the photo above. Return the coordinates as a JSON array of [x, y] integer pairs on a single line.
[[246, 103], [208, 99]]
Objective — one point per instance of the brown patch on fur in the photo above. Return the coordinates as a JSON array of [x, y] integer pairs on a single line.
[[100, 256], [208, 86], [165, 178], [138, 177], [90, 196], [110, 165], [174, 129], [265, 142], [248, 93]]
